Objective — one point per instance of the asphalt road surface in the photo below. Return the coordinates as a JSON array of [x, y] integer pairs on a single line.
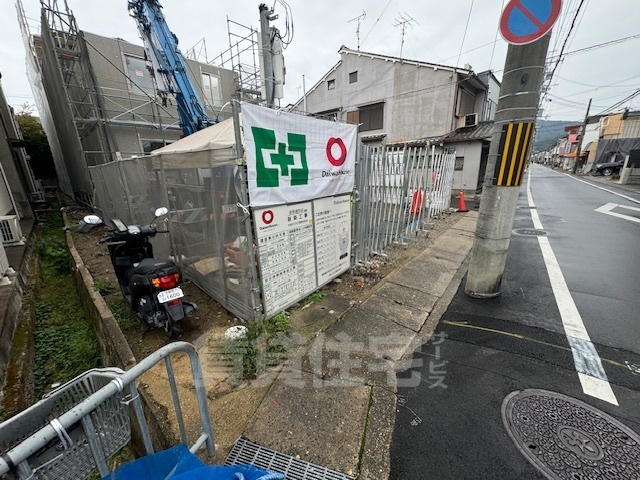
[[567, 321]]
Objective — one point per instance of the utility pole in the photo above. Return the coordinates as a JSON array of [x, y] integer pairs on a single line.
[[266, 15], [583, 130], [511, 139]]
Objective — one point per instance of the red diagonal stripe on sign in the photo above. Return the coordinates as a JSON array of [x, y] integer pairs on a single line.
[[529, 15]]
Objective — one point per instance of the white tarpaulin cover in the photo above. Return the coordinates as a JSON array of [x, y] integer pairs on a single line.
[[292, 158], [208, 147]]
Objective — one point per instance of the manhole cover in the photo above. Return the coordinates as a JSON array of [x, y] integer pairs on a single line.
[[568, 439], [530, 232]]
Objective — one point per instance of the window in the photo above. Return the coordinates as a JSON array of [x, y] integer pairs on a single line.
[[149, 146], [459, 165], [466, 102], [353, 77], [140, 79], [211, 89], [371, 117], [331, 84], [353, 117]]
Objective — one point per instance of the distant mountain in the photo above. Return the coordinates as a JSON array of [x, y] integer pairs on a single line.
[[548, 132]]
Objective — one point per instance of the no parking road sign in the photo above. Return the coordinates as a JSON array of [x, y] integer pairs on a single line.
[[525, 21]]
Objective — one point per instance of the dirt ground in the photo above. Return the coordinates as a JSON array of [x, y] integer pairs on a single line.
[[211, 316]]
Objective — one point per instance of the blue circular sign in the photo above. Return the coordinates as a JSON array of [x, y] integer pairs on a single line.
[[525, 21]]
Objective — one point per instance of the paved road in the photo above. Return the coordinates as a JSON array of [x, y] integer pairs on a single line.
[[584, 277]]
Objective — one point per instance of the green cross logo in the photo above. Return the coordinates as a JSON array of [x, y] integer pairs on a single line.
[[281, 159]]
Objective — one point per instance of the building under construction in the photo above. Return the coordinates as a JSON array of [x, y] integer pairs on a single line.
[[98, 99]]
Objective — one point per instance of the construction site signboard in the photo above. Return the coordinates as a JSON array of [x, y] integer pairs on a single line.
[[301, 247], [293, 158]]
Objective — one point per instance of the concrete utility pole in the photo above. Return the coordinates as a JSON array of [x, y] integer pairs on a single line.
[[583, 130], [266, 15], [510, 144]]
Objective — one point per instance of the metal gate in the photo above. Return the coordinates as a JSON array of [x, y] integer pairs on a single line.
[[398, 191]]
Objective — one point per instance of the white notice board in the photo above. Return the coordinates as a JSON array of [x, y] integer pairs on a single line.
[[284, 235], [332, 236]]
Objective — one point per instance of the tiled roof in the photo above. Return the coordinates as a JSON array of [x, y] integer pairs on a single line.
[[482, 131]]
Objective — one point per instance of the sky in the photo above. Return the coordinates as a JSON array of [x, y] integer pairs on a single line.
[[454, 32]]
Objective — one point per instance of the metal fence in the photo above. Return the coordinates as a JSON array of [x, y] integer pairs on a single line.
[[208, 238], [398, 191]]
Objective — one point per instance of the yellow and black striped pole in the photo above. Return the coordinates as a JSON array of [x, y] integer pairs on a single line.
[[515, 143], [511, 140]]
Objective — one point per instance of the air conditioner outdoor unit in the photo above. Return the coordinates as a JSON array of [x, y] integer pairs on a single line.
[[10, 229], [471, 120]]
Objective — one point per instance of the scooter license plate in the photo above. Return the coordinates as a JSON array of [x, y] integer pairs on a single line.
[[168, 295]]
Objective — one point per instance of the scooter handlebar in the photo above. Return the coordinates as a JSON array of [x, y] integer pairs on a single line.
[[133, 232]]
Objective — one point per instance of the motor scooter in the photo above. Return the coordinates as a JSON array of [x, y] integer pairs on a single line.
[[151, 286]]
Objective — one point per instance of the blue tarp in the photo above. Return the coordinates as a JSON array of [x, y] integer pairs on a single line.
[[178, 463]]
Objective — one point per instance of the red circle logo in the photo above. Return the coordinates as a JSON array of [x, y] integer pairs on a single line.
[[267, 217], [336, 162]]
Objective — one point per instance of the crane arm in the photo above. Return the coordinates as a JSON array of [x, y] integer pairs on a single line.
[[162, 50]]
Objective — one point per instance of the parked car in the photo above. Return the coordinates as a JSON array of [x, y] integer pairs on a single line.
[[607, 169]]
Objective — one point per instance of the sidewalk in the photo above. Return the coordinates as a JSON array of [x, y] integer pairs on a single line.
[[604, 181], [334, 403]]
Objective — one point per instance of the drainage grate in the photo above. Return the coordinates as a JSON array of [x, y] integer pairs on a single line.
[[530, 232], [568, 439], [244, 451]]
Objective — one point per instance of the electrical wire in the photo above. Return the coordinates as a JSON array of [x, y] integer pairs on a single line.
[[464, 36], [495, 41], [573, 24], [621, 102], [375, 23], [598, 45]]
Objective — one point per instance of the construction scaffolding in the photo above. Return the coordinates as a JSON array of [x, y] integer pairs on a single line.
[[98, 98], [242, 58]]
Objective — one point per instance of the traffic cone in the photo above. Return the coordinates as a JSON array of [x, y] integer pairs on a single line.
[[462, 207]]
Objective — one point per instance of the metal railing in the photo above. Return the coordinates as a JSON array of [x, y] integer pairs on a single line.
[[95, 420]]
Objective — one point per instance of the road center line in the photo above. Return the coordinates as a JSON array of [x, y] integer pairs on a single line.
[[592, 376]]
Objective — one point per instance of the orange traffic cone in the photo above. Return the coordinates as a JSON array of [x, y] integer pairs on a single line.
[[462, 207]]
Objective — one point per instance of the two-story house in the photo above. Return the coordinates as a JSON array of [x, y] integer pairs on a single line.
[[617, 136], [398, 101]]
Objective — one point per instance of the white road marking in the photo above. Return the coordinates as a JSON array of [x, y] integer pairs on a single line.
[[631, 199], [608, 209], [591, 373]]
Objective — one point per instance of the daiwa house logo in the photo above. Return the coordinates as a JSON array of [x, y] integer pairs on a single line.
[[275, 159]]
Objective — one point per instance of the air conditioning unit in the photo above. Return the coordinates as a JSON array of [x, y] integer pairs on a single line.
[[471, 120], [10, 230]]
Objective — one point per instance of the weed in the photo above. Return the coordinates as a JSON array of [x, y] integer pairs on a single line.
[[122, 312], [64, 343], [104, 287], [265, 345], [315, 297]]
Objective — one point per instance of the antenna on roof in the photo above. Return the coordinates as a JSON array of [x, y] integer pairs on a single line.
[[404, 21], [359, 19]]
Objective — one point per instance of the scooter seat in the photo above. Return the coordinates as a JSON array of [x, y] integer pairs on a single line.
[[152, 265]]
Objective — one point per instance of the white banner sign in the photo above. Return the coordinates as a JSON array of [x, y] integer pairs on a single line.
[[292, 158]]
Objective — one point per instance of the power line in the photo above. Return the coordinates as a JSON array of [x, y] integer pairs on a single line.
[[376, 22], [466, 28], [621, 102], [598, 45], [573, 23]]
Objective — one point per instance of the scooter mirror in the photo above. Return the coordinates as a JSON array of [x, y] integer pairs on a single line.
[[92, 220], [160, 212]]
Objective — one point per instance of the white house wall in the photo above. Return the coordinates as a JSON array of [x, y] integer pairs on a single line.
[[418, 100], [467, 178]]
